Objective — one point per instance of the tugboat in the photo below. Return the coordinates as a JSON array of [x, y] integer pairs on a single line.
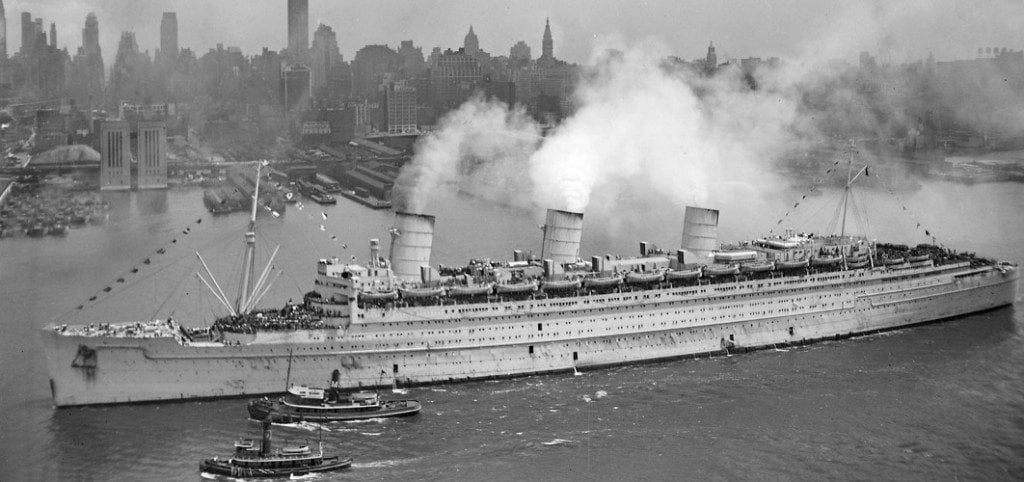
[[263, 462], [311, 404]]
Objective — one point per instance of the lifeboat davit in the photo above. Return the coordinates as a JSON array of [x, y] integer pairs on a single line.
[[826, 260], [603, 282], [760, 267], [792, 264], [470, 290], [515, 288], [638, 278], [721, 270], [378, 295], [682, 274], [560, 285], [425, 292]]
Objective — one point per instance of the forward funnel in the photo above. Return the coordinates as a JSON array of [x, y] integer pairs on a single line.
[[700, 233], [562, 233], [411, 240]]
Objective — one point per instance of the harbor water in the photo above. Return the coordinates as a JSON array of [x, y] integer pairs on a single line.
[[939, 401]]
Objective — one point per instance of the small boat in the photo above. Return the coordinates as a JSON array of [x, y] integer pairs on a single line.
[[855, 264], [602, 282], [378, 295], [560, 285], [470, 290], [759, 267], [638, 278], [682, 274], [265, 461], [721, 270], [322, 198], [894, 261], [303, 403], [516, 288], [792, 264], [425, 292], [919, 258], [826, 260]]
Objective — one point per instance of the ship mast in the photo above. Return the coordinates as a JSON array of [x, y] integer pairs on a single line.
[[250, 250], [850, 177]]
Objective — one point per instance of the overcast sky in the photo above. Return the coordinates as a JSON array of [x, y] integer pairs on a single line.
[[951, 29]]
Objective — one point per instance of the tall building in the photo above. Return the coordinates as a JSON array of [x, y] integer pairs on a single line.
[[169, 36], [324, 56], [28, 33], [298, 26], [3, 32], [520, 52], [295, 88], [471, 43], [547, 44], [53, 35], [368, 69], [412, 59], [152, 149], [115, 156], [453, 79], [711, 61], [400, 98], [87, 66]]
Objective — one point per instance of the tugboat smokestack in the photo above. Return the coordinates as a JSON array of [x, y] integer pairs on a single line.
[[265, 445]]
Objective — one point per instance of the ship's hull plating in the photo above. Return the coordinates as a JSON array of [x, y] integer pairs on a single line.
[[591, 331]]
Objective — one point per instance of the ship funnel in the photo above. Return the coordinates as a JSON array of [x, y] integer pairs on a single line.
[[374, 253], [411, 240], [265, 448], [562, 233], [700, 233]]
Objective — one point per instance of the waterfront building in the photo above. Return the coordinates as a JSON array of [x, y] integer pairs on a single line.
[[115, 156], [152, 154], [400, 99], [298, 27]]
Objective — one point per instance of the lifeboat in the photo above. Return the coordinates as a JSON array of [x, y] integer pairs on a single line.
[[470, 290], [682, 274], [855, 264], [759, 267], [825, 260], [425, 292], [378, 295], [894, 261], [638, 278], [515, 288], [604, 282], [560, 285], [919, 258], [721, 270], [800, 263]]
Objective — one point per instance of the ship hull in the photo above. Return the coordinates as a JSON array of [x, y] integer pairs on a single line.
[[526, 337]]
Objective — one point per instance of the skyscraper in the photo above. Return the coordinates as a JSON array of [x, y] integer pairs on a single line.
[[711, 62], [169, 36], [324, 55], [53, 35], [471, 43], [3, 32], [547, 44], [28, 33], [91, 35], [298, 26]]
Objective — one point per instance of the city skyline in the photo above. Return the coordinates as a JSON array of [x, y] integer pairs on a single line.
[[796, 29]]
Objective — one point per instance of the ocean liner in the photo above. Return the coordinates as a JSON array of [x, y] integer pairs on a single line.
[[395, 319]]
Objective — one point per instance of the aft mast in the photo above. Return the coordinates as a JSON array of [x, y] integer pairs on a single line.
[[250, 250]]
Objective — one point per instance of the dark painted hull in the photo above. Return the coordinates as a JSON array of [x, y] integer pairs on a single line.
[[281, 413], [224, 467]]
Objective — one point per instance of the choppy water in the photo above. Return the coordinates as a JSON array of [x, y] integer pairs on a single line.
[[941, 401]]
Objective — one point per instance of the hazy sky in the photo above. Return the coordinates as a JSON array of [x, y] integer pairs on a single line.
[[900, 30]]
